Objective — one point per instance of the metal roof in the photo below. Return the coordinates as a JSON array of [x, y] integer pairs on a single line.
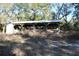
[[41, 21]]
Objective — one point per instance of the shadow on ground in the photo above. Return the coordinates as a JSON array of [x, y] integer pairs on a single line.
[[44, 46]]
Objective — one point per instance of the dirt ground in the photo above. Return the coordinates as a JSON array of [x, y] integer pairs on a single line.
[[40, 43]]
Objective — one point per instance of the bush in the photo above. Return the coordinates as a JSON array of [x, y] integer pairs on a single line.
[[76, 26], [67, 26]]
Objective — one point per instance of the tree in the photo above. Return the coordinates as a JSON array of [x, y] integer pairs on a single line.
[[76, 16], [33, 11], [62, 12]]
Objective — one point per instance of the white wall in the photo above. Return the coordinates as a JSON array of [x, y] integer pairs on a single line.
[[9, 28]]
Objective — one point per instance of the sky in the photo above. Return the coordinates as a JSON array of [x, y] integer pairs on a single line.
[[69, 17]]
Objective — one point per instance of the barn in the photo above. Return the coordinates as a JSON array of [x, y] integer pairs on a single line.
[[11, 27]]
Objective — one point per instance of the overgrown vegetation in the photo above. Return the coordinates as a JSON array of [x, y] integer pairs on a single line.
[[33, 42]]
